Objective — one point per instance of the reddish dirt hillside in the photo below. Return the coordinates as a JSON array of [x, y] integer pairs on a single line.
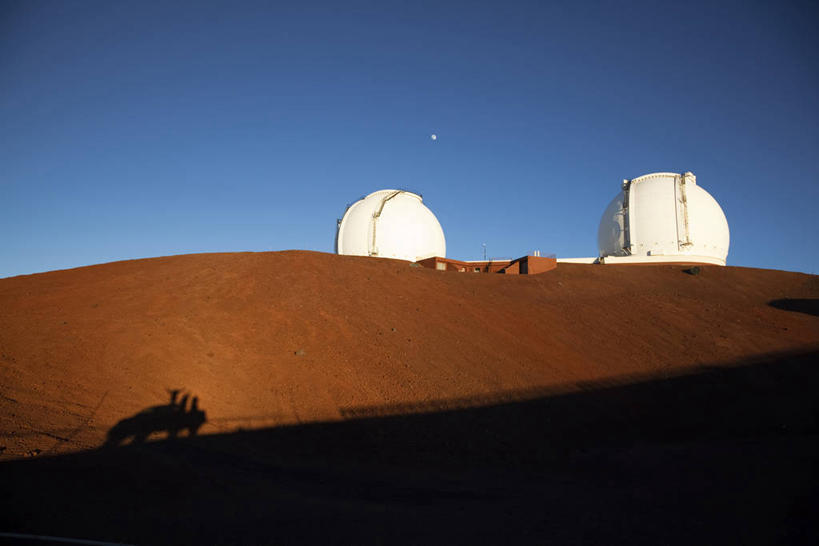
[[264, 339]]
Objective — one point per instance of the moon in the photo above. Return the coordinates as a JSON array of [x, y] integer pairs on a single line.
[[433, 136]]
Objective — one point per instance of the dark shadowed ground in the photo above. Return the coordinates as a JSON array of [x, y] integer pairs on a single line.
[[719, 455], [809, 306]]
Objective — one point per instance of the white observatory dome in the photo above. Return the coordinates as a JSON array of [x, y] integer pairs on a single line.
[[663, 217], [390, 224]]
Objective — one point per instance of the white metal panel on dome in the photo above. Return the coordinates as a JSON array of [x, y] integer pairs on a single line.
[[611, 234], [390, 224], [653, 218], [664, 214], [710, 235]]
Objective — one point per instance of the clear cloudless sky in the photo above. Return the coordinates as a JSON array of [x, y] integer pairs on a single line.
[[139, 129]]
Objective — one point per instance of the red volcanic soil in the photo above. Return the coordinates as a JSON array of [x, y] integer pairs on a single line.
[[329, 344], [292, 337]]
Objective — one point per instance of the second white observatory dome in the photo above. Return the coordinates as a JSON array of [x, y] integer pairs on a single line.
[[390, 224], [663, 217]]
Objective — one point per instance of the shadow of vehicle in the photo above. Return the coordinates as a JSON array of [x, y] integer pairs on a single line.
[[171, 418]]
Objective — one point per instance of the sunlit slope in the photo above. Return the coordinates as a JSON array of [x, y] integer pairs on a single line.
[[274, 338]]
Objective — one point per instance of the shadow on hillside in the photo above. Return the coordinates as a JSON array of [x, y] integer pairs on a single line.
[[809, 306], [171, 418], [725, 455]]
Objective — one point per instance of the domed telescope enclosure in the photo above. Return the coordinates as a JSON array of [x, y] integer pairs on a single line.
[[390, 224], [663, 218]]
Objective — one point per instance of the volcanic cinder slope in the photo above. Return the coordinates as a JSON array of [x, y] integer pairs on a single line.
[[266, 339], [367, 401]]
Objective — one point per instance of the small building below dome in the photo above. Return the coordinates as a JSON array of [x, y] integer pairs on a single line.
[[531, 264]]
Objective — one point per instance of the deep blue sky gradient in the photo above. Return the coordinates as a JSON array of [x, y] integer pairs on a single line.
[[138, 129]]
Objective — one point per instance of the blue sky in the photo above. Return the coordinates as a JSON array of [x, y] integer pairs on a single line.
[[139, 129]]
